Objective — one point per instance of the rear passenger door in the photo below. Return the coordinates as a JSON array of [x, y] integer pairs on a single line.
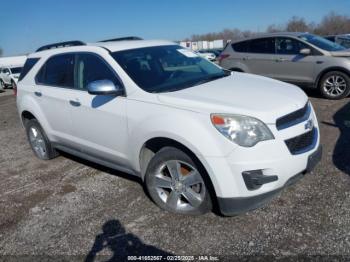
[[99, 121], [260, 56], [54, 85]]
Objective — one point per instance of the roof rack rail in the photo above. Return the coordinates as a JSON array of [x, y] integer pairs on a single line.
[[122, 39], [59, 45]]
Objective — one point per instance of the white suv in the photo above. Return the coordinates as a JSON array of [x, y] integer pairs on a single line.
[[9, 76], [197, 135]]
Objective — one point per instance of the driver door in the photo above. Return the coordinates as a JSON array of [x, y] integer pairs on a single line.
[[290, 65], [99, 121]]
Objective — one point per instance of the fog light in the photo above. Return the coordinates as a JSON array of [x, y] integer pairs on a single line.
[[254, 179]]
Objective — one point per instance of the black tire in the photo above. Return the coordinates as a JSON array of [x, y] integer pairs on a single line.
[[326, 88], [33, 127], [172, 154]]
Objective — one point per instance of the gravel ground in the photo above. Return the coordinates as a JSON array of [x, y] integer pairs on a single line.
[[71, 209]]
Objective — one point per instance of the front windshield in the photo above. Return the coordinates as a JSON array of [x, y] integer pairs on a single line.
[[16, 70], [166, 68], [322, 43]]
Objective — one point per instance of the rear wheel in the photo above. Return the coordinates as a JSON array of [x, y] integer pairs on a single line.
[[38, 140], [176, 184], [335, 85]]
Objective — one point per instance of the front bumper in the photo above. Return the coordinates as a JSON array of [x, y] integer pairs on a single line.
[[237, 205]]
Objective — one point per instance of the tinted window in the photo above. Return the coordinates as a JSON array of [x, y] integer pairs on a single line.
[[166, 68], [242, 47], [289, 46], [262, 46], [58, 71], [30, 62], [91, 68]]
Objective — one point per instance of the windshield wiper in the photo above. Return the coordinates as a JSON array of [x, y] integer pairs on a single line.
[[195, 83], [210, 78]]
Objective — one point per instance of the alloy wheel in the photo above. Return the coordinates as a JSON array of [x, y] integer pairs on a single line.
[[335, 85], [37, 142], [179, 185]]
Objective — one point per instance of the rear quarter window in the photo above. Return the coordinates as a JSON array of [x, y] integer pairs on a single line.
[[241, 47], [30, 62]]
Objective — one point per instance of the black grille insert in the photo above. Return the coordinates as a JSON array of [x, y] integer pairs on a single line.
[[303, 143], [294, 118]]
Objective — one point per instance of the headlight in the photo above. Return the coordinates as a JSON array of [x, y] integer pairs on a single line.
[[243, 130]]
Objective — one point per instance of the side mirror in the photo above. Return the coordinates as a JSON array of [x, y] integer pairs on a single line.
[[104, 87], [305, 51]]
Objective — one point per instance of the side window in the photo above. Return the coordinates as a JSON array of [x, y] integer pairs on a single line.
[[241, 47], [289, 46], [91, 68], [262, 46], [58, 71], [28, 65]]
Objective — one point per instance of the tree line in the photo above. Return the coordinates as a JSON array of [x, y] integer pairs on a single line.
[[331, 24]]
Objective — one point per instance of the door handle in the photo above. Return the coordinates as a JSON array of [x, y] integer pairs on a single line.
[[39, 94], [281, 60], [74, 103], [245, 58]]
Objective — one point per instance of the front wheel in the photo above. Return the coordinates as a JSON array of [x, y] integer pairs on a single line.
[[176, 184], [335, 85]]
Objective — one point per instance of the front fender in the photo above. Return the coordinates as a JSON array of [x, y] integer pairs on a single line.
[[195, 132]]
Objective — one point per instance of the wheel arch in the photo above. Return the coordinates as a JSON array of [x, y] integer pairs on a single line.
[[26, 116], [153, 145], [330, 69]]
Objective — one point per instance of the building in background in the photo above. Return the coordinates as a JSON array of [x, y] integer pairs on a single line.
[[12, 61], [204, 45]]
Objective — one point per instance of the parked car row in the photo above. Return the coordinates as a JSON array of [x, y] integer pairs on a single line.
[[195, 133], [343, 40], [9, 77], [299, 58]]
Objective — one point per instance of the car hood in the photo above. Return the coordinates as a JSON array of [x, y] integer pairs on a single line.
[[345, 53], [244, 94]]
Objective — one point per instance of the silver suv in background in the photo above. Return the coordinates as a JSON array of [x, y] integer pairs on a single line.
[[299, 58]]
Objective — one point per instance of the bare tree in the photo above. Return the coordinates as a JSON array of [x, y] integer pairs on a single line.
[[0, 52], [275, 28], [331, 24], [334, 24], [297, 24]]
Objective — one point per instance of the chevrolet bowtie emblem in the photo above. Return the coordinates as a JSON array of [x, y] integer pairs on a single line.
[[309, 124]]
